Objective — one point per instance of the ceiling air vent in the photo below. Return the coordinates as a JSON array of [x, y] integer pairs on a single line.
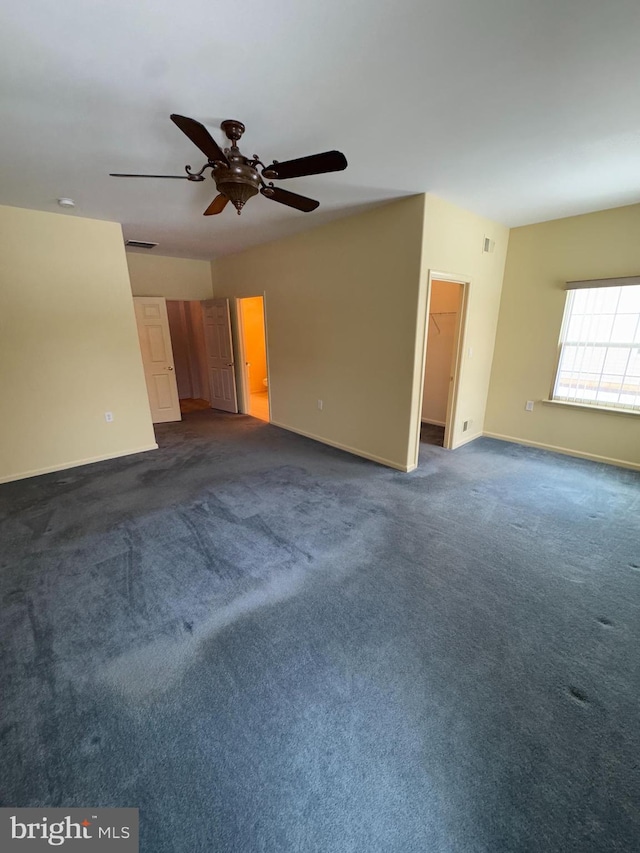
[[140, 244]]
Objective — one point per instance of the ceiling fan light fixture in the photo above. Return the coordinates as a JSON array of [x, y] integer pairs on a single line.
[[237, 193]]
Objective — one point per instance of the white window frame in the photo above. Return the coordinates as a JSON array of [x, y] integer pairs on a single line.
[[585, 401]]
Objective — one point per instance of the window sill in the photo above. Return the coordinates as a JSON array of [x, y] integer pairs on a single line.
[[587, 408]]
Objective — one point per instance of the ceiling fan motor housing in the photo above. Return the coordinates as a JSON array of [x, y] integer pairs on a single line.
[[239, 182]]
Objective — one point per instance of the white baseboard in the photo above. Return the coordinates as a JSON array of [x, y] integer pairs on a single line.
[[63, 467], [466, 439], [354, 450], [566, 451]]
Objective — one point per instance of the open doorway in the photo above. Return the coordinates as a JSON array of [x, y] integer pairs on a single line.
[[187, 355], [444, 332], [188, 343], [255, 375]]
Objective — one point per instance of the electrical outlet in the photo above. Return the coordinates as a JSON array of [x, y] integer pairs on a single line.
[[529, 406], [108, 416], [320, 405]]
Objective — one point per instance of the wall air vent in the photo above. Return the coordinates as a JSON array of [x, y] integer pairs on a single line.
[[488, 245], [140, 244]]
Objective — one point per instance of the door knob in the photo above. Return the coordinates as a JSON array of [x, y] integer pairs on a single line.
[[169, 368], [230, 364]]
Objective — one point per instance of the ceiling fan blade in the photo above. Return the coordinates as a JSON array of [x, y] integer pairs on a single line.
[[217, 205], [201, 137], [316, 164], [123, 175], [300, 202]]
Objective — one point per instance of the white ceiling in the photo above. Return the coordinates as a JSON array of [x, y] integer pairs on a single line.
[[520, 110]]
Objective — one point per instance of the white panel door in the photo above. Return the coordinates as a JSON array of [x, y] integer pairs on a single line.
[[157, 358], [219, 349]]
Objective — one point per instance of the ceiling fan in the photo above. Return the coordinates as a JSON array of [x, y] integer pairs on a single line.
[[237, 177]]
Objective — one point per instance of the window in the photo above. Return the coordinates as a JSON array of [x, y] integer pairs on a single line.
[[599, 361]]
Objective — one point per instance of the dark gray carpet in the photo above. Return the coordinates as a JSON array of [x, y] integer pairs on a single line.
[[270, 646]]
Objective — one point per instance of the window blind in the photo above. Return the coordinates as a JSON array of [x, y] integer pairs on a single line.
[[625, 281]]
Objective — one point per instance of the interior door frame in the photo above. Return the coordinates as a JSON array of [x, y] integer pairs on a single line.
[[242, 374], [457, 357]]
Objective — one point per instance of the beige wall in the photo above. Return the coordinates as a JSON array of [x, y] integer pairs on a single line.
[[341, 305], [453, 244], [173, 278], [254, 342], [540, 259], [68, 345]]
